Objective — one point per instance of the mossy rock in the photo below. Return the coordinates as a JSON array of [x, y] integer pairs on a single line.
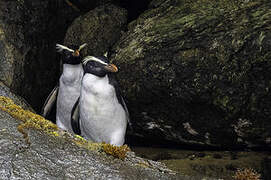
[[100, 28], [44, 151], [193, 71]]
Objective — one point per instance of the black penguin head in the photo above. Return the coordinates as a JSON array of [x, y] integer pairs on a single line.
[[98, 66], [70, 55]]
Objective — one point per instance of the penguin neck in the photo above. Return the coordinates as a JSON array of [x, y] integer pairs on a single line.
[[95, 79], [91, 81], [72, 72]]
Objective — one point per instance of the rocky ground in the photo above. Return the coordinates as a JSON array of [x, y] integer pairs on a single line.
[[33, 148]]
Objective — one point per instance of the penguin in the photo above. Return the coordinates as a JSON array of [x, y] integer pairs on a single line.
[[100, 112], [66, 93]]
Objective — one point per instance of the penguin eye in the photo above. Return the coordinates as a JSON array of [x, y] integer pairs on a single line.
[[94, 64], [66, 53]]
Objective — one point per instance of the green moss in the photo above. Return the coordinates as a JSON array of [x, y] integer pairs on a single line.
[[196, 14], [190, 53], [222, 102]]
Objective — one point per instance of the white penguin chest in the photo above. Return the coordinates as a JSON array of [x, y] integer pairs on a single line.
[[72, 75], [97, 91], [102, 118], [69, 91], [70, 83]]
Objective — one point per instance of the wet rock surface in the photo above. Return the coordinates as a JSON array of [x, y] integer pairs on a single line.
[[197, 72], [217, 164]]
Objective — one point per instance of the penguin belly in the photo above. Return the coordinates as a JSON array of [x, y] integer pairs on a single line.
[[102, 118], [69, 91]]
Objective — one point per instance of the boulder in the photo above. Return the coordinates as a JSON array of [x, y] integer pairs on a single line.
[[100, 28], [44, 152], [27, 47], [29, 31], [5, 91], [197, 72]]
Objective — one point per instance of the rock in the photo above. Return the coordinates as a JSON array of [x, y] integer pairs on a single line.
[[85, 5], [266, 163], [99, 28], [197, 72], [29, 31], [54, 154], [27, 47], [5, 91]]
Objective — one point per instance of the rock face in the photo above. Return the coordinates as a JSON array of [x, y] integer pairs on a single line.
[[198, 72], [29, 31], [5, 91], [192, 72], [100, 28], [58, 157]]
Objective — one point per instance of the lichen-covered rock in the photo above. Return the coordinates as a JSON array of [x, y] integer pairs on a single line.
[[197, 72], [100, 28], [54, 154]]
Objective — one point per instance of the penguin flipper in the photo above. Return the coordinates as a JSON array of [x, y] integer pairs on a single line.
[[50, 102], [75, 116], [114, 82], [127, 113]]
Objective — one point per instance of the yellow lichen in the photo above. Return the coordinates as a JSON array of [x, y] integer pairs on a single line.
[[116, 151], [246, 174], [29, 119], [55, 133], [94, 146], [81, 142], [32, 120], [79, 137]]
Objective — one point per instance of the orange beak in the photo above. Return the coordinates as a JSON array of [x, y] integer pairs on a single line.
[[76, 53], [111, 68]]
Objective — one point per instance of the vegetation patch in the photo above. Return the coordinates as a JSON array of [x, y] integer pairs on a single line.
[[35, 121], [29, 119], [246, 174], [116, 151]]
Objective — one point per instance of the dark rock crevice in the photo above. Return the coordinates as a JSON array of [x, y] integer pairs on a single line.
[[134, 8], [38, 26]]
